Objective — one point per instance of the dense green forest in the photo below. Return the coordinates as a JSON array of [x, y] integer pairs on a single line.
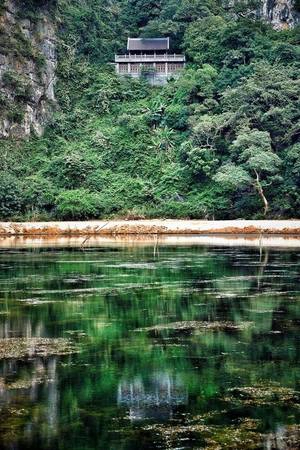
[[221, 141]]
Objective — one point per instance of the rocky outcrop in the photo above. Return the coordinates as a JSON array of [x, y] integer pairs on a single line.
[[282, 14], [27, 69]]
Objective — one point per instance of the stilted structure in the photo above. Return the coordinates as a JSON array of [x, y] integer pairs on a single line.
[[149, 58]]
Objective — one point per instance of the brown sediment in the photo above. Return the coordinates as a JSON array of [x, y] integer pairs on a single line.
[[236, 230], [136, 229], [152, 227], [253, 230]]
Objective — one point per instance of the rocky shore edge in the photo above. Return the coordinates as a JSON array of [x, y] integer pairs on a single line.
[[151, 227]]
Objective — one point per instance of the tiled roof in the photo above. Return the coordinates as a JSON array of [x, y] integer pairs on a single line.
[[148, 44]]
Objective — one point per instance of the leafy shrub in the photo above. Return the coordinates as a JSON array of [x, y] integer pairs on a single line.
[[176, 116], [78, 204], [11, 199], [71, 169], [121, 192], [201, 160], [39, 193]]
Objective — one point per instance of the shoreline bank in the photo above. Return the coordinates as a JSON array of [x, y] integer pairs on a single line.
[[151, 227]]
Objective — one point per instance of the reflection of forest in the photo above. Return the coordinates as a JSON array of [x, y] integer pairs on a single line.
[[100, 298], [28, 384], [21, 327], [157, 400]]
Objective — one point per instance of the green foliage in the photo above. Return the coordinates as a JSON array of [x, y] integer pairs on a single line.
[[292, 162], [16, 44], [117, 191], [91, 27], [10, 196], [220, 141], [39, 193], [71, 169], [21, 89], [176, 116], [254, 151], [31, 9], [201, 160], [77, 204], [232, 177]]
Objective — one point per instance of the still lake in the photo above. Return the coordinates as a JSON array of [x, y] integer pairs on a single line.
[[149, 347]]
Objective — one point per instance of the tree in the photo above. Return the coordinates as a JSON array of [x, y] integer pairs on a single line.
[[256, 164], [201, 160], [232, 177], [267, 100]]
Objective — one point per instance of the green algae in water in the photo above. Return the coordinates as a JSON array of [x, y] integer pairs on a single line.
[[186, 348]]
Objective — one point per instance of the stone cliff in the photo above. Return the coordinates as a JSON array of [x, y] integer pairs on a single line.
[[282, 14], [27, 68]]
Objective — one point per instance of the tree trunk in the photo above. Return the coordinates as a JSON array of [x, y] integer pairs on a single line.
[[260, 191]]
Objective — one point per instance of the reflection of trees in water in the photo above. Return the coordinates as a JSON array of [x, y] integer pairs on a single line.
[[21, 327], [38, 383], [183, 278], [155, 398], [263, 262], [188, 284], [283, 438]]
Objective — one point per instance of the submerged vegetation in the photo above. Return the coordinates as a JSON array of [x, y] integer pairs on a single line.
[[222, 141], [187, 326], [243, 436], [19, 348], [189, 348]]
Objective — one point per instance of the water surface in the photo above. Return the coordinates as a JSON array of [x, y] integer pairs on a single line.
[[176, 348]]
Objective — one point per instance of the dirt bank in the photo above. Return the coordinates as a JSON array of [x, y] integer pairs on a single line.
[[151, 227]]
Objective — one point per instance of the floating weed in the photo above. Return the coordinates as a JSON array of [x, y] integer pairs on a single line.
[[190, 326], [263, 394], [19, 348], [214, 437], [241, 436], [22, 383]]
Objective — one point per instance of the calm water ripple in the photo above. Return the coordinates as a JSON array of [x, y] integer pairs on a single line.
[[184, 347]]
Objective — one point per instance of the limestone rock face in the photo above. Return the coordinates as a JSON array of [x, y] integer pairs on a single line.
[[27, 70], [282, 14]]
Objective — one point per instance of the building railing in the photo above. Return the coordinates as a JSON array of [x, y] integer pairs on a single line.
[[150, 58]]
